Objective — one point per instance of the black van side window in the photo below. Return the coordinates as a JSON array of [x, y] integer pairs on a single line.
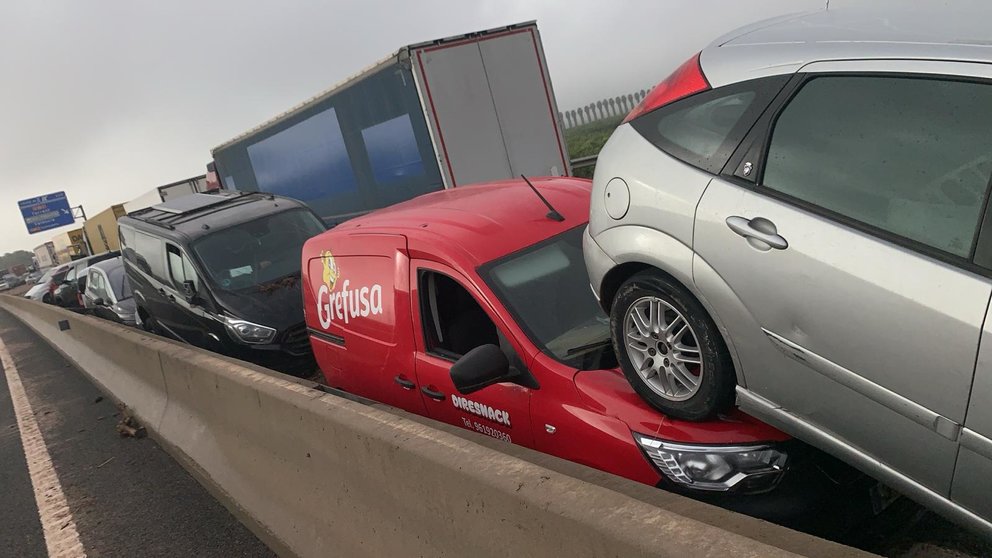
[[148, 255], [180, 268], [454, 323]]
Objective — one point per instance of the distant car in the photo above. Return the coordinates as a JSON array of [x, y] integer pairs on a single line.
[[10, 281], [68, 293], [108, 292], [44, 288], [33, 277]]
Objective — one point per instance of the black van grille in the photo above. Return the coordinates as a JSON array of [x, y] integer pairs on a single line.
[[296, 340]]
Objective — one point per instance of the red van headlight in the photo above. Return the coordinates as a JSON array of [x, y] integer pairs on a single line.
[[745, 469]]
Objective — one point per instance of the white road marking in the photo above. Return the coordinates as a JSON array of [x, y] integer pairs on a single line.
[[61, 537]]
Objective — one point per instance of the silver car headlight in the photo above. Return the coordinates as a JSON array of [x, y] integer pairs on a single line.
[[746, 469], [248, 332]]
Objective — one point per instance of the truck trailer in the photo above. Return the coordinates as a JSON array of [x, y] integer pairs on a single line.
[[195, 185], [45, 255], [440, 114], [101, 229], [70, 246], [173, 190]]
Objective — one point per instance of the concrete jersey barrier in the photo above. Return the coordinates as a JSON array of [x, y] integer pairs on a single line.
[[314, 474]]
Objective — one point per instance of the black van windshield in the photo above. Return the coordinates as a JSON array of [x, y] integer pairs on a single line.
[[257, 251], [546, 288]]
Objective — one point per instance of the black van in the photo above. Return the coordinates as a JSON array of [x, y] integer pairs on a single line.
[[222, 271]]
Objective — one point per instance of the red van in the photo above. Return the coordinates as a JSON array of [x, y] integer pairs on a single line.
[[472, 306]]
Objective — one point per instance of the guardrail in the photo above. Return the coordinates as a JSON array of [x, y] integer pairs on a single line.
[[583, 162], [313, 474]]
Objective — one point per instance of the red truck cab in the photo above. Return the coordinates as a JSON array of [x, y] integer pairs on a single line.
[[472, 306]]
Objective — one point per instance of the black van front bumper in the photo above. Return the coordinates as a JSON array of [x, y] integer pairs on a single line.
[[273, 357]]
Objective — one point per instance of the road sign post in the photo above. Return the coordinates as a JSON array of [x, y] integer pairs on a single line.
[[43, 213]]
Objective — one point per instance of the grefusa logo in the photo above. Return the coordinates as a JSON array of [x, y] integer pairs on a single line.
[[347, 303]]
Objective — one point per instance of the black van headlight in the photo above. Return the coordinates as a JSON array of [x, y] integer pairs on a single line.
[[745, 469], [249, 332]]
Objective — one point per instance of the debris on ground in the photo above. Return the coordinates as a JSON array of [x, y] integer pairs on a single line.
[[128, 427], [98, 399], [105, 462]]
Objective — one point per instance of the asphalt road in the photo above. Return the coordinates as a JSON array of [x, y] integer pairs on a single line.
[[127, 496]]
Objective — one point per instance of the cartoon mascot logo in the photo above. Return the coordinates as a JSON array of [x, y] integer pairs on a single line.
[[346, 303], [330, 269]]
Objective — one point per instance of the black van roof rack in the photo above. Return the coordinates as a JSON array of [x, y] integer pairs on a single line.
[[169, 214]]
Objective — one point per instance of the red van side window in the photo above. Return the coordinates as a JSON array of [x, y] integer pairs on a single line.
[[454, 323]]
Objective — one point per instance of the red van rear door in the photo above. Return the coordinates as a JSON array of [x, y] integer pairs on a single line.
[[358, 314]]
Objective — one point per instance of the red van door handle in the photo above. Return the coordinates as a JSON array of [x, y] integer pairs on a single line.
[[404, 383], [435, 395]]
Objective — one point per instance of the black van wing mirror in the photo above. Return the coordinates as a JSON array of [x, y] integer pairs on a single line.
[[189, 291], [484, 366]]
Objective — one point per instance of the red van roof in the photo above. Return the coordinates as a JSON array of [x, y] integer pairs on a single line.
[[487, 220]]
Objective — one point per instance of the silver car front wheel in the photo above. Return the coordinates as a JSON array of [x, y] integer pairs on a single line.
[[669, 349], [663, 348]]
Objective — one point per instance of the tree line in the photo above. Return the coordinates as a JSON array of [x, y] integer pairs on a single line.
[[22, 257]]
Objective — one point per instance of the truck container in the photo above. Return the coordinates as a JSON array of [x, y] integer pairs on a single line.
[[18, 270], [433, 115], [173, 190], [101, 229], [69, 246], [45, 254], [148, 199], [195, 185]]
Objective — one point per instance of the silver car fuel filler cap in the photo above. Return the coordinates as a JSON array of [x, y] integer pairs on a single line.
[[616, 198]]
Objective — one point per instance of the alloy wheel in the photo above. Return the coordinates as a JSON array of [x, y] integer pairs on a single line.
[[663, 348]]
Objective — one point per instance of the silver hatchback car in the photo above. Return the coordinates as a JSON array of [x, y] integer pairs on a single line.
[[797, 220]]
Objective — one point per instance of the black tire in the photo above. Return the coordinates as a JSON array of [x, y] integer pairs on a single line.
[[717, 382], [47, 298], [147, 322]]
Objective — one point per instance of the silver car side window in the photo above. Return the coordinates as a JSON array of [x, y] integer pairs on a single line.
[[910, 156]]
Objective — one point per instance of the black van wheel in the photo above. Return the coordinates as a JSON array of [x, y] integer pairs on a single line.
[[670, 349], [147, 322]]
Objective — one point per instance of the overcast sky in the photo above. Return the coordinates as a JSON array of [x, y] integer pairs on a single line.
[[106, 99]]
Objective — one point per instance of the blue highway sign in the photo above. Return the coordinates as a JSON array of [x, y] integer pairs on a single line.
[[50, 211]]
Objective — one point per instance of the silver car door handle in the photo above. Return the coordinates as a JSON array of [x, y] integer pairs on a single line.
[[759, 229]]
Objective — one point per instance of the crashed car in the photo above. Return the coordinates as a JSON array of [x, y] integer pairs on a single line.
[[221, 271], [472, 306], [44, 289], [809, 233]]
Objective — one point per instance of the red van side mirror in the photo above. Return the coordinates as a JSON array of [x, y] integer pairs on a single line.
[[483, 366]]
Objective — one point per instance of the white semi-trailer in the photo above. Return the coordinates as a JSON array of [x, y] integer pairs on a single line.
[[433, 115]]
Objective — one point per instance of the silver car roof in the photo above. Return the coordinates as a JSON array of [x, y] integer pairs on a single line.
[[785, 44]]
